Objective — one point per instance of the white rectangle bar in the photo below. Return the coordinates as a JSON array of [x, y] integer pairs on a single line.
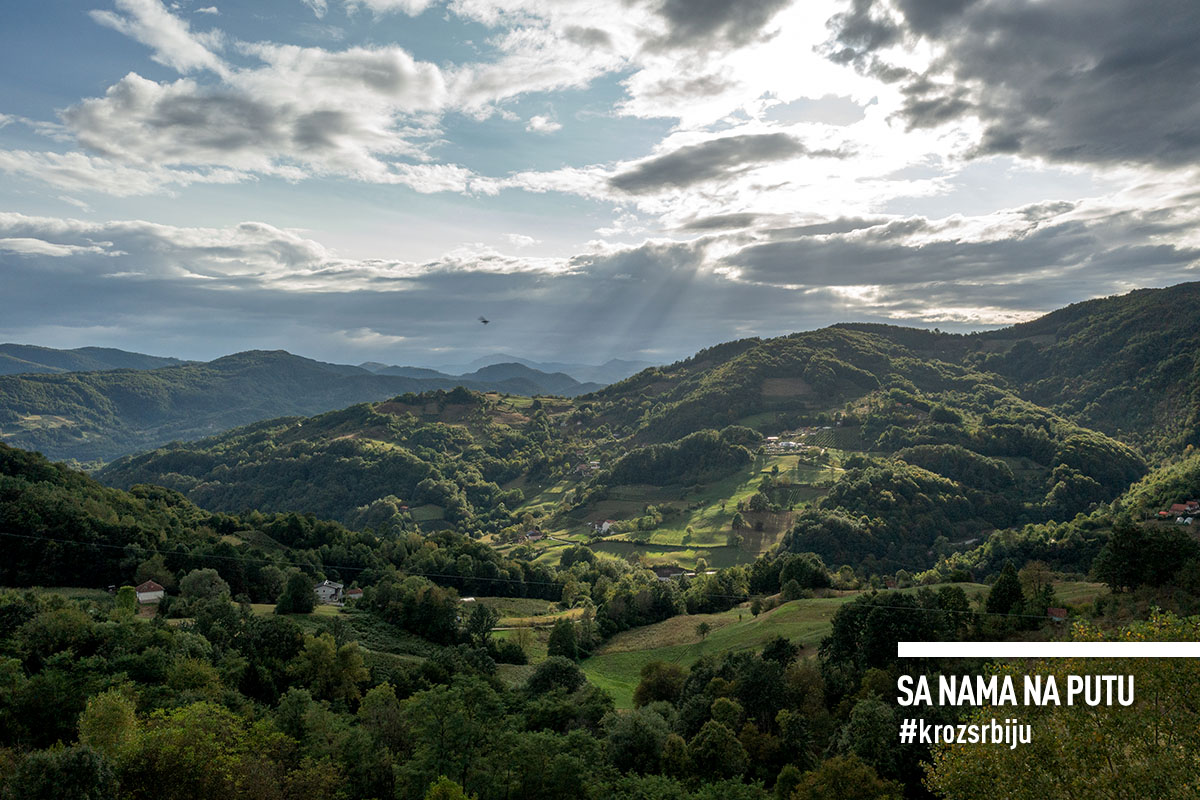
[[1048, 649]]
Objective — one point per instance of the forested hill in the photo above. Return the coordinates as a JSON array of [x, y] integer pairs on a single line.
[[1128, 366], [16, 359], [103, 415]]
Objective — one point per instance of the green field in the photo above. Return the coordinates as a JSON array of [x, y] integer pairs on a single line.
[[616, 667]]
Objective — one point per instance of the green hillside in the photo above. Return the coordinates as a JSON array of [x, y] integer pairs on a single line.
[[100, 416], [25, 358]]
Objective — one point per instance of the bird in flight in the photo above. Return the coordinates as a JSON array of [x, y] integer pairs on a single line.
[[484, 320]]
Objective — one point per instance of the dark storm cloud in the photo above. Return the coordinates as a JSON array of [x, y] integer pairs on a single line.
[[728, 23], [719, 222], [1088, 81], [711, 160], [1103, 251]]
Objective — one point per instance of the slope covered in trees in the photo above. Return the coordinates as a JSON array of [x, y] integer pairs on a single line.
[[25, 358], [92, 416]]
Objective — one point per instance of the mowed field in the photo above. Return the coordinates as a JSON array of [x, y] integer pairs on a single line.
[[617, 665]]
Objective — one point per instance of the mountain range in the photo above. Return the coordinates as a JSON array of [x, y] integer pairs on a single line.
[[904, 443], [101, 415], [18, 359]]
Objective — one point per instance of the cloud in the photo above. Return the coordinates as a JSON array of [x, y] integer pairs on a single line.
[[209, 10], [715, 23], [520, 240], [410, 7], [78, 172], [711, 160], [200, 291], [1085, 244], [541, 124], [39, 247], [172, 40], [1070, 81], [345, 122]]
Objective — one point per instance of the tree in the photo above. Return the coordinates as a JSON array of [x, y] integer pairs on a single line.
[[445, 789], [716, 753], [298, 596], [675, 760], [848, 778], [74, 773], [562, 640], [329, 671], [781, 650], [635, 740], [1006, 596], [739, 521], [379, 712], [870, 734], [155, 569], [1111, 752], [702, 630], [203, 584], [480, 623], [127, 601], [660, 680], [1034, 577], [108, 723], [556, 672]]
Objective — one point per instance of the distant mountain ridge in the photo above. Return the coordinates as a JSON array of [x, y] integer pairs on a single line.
[[101, 415], [611, 371], [18, 359]]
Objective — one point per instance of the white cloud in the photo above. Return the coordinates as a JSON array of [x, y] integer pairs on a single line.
[[174, 43], [542, 124], [520, 240], [209, 10], [39, 247], [410, 7], [77, 172]]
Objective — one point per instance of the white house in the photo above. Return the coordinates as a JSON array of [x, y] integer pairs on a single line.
[[150, 592], [328, 592]]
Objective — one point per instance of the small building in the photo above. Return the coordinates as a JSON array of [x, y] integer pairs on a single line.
[[354, 594], [889, 584], [1179, 509], [535, 536], [1057, 614], [328, 592], [150, 592], [666, 573]]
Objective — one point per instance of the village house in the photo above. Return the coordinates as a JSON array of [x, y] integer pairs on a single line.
[[534, 536], [150, 592], [604, 527], [1057, 614], [354, 594], [328, 592], [666, 573]]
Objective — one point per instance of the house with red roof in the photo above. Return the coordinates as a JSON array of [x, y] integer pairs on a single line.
[[150, 592]]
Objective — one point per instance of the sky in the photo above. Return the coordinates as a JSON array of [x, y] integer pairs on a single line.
[[358, 180]]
